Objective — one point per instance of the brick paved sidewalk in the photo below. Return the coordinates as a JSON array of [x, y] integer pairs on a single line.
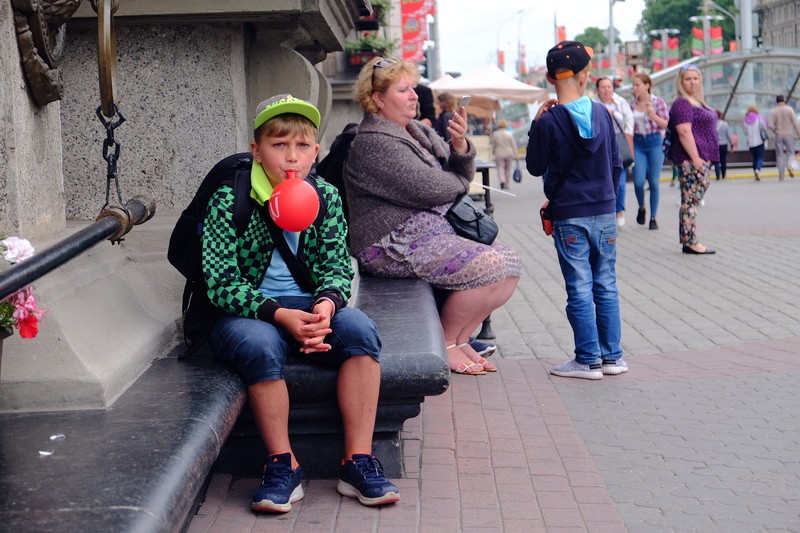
[[703, 441], [701, 434], [496, 452]]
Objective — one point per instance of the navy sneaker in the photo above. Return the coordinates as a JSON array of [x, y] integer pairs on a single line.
[[362, 477], [280, 485], [484, 349]]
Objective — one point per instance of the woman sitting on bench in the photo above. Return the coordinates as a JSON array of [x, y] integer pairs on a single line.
[[401, 177]]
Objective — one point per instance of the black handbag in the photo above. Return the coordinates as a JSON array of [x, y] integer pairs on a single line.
[[624, 148], [469, 221]]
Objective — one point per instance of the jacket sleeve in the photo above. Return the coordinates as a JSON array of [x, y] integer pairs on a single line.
[[397, 171], [627, 116], [616, 158], [228, 289], [331, 265], [537, 156]]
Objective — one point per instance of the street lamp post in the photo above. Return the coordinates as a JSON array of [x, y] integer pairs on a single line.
[[664, 34], [520, 55], [499, 31], [746, 14], [735, 20], [612, 37], [706, 20]]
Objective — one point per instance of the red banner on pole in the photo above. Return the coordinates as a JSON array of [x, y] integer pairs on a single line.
[[415, 27]]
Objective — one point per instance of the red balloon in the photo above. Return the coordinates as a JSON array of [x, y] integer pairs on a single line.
[[294, 204]]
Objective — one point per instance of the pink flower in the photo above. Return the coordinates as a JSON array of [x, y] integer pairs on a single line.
[[19, 310]]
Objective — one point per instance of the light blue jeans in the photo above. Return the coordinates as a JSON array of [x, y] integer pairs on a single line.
[[649, 160], [587, 253]]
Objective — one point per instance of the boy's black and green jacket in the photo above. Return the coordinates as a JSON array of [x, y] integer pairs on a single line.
[[234, 266]]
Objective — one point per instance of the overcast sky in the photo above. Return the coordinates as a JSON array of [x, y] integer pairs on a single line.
[[470, 30]]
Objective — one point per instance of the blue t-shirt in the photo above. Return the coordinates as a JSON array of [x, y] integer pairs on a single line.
[[278, 280]]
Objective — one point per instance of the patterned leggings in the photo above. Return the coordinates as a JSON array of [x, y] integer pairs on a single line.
[[694, 183]]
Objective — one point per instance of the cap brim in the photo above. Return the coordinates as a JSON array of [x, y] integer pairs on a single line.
[[297, 107]]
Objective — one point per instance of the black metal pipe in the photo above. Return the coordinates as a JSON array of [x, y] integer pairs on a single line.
[[33, 268]]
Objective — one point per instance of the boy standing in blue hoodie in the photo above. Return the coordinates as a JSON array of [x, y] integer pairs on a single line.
[[572, 146]]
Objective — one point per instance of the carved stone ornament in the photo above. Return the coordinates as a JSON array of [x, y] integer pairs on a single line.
[[41, 27]]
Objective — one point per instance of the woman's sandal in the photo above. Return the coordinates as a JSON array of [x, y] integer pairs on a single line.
[[467, 367], [487, 366]]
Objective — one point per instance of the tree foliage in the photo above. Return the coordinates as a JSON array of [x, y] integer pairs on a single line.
[[593, 37], [674, 14]]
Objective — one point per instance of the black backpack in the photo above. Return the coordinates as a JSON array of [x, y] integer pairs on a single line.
[[185, 243], [185, 248], [669, 140], [331, 168]]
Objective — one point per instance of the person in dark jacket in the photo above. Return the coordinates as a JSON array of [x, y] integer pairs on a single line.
[[427, 109], [573, 147]]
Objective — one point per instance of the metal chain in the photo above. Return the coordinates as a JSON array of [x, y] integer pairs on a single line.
[[111, 150]]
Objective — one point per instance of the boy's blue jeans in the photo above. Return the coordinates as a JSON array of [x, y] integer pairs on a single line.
[[259, 350], [587, 253]]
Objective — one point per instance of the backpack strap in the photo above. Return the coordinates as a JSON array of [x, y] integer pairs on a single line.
[[299, 270], [243, 205]]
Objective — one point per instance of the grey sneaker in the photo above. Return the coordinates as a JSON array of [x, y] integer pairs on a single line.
[[573, 369], [613, 368]]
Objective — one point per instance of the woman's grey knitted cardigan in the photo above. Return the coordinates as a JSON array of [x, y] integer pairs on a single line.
[[391, 173]]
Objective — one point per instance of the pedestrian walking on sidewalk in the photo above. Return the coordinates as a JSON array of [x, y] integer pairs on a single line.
[[573, 146], [650, 118], [726, 142], [783, 122], [695, 124], [504, 149], [623, 117], [755, 130]]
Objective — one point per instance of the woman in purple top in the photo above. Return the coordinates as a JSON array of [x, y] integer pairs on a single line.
[[695, 123]]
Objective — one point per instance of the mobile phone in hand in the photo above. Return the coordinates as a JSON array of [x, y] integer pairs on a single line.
[[464, 102]]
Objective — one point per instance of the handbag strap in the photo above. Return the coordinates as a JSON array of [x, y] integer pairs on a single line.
[[621, 129]]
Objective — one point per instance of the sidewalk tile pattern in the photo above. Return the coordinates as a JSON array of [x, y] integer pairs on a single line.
[[703, 434]]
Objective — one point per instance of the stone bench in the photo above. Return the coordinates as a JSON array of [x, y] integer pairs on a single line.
[[413, 365], [141, 464], [138, 465]]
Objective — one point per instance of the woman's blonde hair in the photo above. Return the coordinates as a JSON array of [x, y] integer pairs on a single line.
[[682, 92], [447, 102], [752, 109], [502, 124], [377, 76]]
